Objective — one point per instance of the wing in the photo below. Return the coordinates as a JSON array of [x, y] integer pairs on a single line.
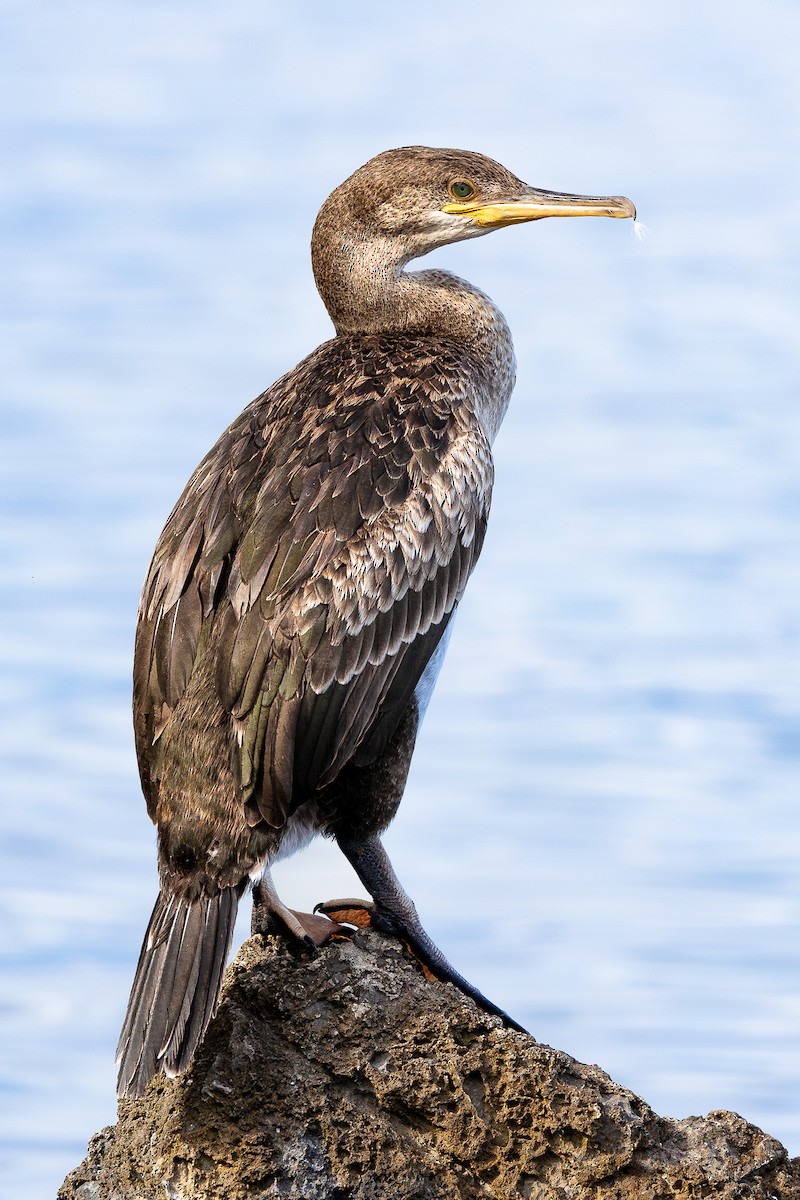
[[314, 561]]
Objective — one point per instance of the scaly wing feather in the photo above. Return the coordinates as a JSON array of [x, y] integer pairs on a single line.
[[318, 553]]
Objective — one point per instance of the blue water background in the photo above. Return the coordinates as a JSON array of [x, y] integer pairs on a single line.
[[602, 826]]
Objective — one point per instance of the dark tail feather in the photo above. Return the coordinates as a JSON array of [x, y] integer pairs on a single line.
[[176, 986]]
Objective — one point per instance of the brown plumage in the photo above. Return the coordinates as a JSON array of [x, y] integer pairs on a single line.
[[290, 620]]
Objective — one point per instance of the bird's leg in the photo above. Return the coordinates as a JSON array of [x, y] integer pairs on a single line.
[[393, 912], [271, 915]]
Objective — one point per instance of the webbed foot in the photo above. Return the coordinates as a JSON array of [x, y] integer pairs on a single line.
[[349, 911], [364, 914], [271, 915]]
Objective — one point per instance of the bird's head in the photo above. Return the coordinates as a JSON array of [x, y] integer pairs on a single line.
[[404, 203], [418, 198]]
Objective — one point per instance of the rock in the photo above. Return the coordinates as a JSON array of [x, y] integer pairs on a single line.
[[348, 1076]]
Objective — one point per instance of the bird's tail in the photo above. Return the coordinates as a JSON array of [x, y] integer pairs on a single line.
[[176, 986]]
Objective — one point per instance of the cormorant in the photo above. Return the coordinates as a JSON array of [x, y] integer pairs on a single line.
[[296, 611]]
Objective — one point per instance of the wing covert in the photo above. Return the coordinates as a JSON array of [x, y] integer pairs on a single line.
[[316, 555]]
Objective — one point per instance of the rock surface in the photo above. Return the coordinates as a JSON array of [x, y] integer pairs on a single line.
[[348, 1076]]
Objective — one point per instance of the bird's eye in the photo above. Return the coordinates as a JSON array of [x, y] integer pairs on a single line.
[[461, 190]]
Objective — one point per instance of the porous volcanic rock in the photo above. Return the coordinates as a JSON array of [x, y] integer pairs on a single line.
[[348, 1076]]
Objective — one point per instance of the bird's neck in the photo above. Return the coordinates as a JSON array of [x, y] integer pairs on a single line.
[[369, 292]]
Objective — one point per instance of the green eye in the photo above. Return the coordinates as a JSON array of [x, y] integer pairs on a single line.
[[461, 190]]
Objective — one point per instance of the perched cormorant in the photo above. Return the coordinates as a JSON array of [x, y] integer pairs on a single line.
[[296, 611]]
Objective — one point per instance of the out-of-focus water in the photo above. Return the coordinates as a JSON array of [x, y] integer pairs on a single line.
[[602, 824]]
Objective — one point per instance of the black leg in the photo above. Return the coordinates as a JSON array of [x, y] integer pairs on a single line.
[[394, 913]]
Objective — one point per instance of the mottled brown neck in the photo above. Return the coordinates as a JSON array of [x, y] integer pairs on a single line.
[[360, 274]]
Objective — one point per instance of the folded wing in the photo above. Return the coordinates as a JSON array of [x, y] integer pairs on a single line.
[[318, 554]]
